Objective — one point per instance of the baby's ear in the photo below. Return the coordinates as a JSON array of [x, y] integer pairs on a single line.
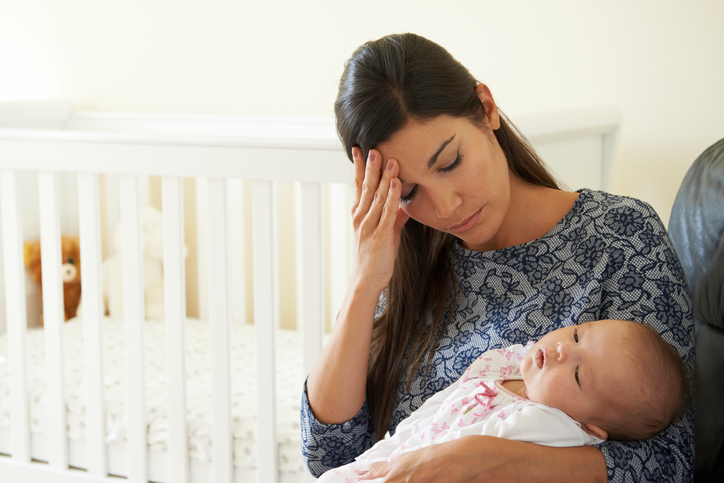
[[594, 430]]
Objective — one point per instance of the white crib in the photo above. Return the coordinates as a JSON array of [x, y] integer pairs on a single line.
[[231, 160]]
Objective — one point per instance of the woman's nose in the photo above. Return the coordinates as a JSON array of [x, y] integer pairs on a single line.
[[445, 204]]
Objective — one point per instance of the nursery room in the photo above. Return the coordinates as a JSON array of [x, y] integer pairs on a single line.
[[176, 240]]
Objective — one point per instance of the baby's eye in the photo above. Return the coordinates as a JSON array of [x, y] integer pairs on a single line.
[[577, 381], [575, 337]]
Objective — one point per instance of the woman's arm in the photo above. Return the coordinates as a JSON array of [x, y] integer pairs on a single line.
[[336, 425], [336, 387], [486, 458]]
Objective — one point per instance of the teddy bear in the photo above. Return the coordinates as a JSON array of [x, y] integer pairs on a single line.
[[70, 271], [152, 252]]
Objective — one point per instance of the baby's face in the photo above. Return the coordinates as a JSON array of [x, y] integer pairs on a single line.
[[580, 369]]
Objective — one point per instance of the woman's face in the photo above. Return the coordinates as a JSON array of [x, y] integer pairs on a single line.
[[454, 176]]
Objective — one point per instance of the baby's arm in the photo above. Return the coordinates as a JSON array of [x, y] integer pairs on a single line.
[[532, 423]]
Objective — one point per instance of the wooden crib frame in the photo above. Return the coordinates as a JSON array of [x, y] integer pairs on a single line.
[[51, 138]]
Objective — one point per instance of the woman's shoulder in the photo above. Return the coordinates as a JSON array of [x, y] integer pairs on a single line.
[[597, 223], [619, 214], [608, 202]]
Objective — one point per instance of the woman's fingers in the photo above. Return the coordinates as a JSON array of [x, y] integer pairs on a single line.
[[371, 182], [359, 176], [375, 217], [369, 186], [374, 471], [386, 199], [392, 217], [402, 217]]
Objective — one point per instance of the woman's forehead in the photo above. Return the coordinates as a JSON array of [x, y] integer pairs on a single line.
[[421, 139]]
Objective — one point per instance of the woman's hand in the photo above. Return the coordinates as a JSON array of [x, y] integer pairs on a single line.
[[376, 218], [336, 387], [486, 458], [446, 462]]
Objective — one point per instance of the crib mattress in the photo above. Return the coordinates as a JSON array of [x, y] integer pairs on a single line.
[[198, 386]]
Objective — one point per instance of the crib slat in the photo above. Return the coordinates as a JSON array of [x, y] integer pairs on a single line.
[[133, 315], [51, 256], [237, 250], [16, 315], [90, 254], [175, 314], [310, 266], [219, 318], [264, 307], [112, 212], [202, 187]]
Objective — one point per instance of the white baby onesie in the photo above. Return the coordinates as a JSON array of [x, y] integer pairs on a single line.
[[476, 404]]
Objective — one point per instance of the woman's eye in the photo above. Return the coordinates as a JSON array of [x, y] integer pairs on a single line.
[[453, 165], [408, 197]]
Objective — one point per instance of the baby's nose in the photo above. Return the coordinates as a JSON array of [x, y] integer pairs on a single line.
[[561, 351]]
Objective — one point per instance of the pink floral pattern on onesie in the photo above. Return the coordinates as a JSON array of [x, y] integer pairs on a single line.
[[474, 404]]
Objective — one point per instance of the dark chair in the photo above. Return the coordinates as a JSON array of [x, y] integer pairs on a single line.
[[696, 228]]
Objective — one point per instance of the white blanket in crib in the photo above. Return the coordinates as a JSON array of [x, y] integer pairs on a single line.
[[198, 386]]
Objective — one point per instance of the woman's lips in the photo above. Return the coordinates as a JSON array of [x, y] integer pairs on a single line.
[[466, 224]]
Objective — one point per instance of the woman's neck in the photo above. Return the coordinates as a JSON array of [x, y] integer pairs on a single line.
[[533, 212]]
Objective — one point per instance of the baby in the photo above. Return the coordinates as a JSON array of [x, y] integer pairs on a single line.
[[577, 385]]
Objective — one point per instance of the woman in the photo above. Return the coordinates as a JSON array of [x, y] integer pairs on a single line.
[[464, 243]]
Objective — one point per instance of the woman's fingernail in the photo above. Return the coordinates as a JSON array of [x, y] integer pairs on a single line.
[[372, 156], [393, 184], [389, 165]]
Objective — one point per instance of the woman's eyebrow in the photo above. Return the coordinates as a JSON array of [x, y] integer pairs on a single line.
[[433, 158]]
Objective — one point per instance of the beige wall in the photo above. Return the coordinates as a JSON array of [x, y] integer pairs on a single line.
[[658, 61]]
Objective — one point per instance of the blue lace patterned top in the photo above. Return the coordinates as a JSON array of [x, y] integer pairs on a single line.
[[610, 257]]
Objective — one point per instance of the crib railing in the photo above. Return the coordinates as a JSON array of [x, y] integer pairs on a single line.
[[222, 164], [578, 144]]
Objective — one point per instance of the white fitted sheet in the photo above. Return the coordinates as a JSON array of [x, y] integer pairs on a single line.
[[288, 388]]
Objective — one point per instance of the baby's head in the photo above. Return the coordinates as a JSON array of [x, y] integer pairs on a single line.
[[619, 379]]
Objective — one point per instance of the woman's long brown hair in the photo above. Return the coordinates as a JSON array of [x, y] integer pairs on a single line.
[[385, 84]]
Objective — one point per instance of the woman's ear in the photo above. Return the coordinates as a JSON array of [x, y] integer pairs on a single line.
[[491, 109], [594, 430]]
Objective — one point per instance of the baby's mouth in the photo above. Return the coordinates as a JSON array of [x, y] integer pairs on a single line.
[[540, 358]]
